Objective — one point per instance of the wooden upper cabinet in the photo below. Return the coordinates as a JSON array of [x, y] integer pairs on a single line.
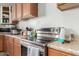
[[53, 52], [24, 11], [30, 10], [67, 6], [1, 42], [34, 9], [19, 10], [14, 12]]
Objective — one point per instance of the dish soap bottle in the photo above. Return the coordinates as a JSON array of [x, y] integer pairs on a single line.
[[61, 37]]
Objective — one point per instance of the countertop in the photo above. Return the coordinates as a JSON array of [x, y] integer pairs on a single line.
[[72, 47], [9, 34], [20, 37]]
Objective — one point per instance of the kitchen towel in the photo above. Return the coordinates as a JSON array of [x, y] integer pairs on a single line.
[[33, 51]]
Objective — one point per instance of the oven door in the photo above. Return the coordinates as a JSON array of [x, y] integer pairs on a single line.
[[24, 49]]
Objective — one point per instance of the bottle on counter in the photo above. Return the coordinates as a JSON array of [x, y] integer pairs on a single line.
[[25, 33], [61, 36], [34, 34], [29, 33]]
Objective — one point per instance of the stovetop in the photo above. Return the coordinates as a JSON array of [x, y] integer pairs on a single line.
[[35, 42]]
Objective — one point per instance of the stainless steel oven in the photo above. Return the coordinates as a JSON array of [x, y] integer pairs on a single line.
[[25, 44]]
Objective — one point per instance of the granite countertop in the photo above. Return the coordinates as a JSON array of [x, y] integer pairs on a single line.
[[20, 37], [72, 47], [9, 34]]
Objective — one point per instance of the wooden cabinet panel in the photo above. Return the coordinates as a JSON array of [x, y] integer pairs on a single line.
[[19, 10], [9, 45], [30, 10], [34, 9], [14, 12], [53, 52], [17, 47], [1, 42], [17, 50], [26, 9], [12, 46], [10, 40], [5, 43], [11, 49], [67, 6]]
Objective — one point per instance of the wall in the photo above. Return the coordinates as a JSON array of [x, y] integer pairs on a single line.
[[54, 17], [71, 19], [49, 16]]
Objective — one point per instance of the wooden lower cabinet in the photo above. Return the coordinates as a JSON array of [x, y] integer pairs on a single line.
[[17, 47], [53, 52], [1, 42], [12, 46], [9, 45], [5, 43]]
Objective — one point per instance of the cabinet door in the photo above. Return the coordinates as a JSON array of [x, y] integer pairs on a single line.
[[34, 9], [53, 52], [5, 43], [17, 47], [26, 9], [30, 10], [14, 12], [11, 49], [1, 42], [11, 46], [19, 10]]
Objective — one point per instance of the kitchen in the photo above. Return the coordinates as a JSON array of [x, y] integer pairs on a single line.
[[20, 20]]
